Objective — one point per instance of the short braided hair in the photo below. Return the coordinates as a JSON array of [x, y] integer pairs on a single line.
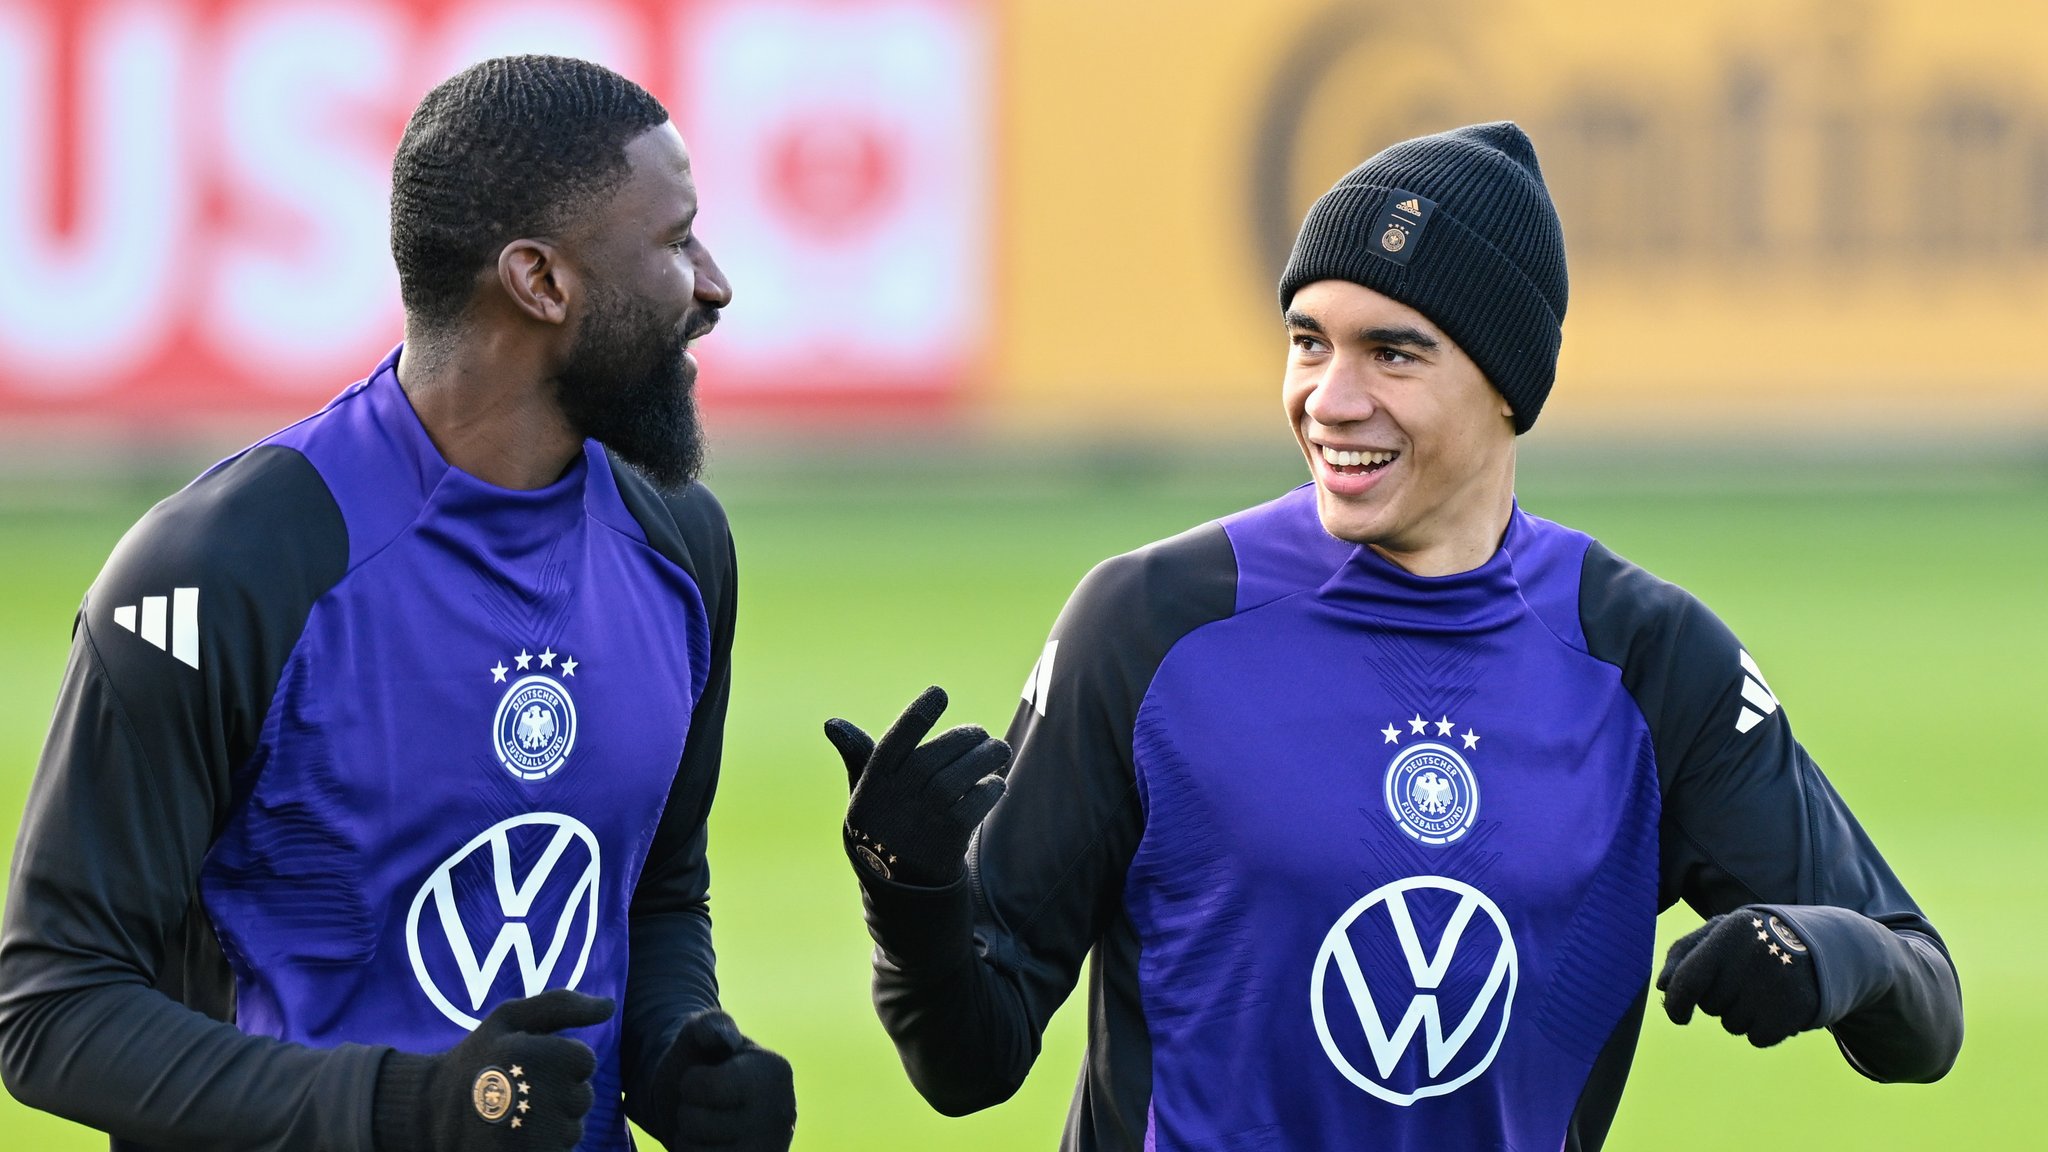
[[506, 148]]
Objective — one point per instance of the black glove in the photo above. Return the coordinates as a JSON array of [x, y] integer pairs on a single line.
[[722, 1091], [914, 808], [1748, 968], [511, 1084]]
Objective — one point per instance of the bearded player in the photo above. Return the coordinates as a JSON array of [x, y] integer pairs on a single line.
[[372, 817], [1366, 800]]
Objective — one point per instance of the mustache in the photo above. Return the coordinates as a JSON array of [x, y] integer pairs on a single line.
[[701, 325]]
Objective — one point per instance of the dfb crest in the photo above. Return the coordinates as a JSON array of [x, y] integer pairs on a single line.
[[1431, 793], [535, 728]]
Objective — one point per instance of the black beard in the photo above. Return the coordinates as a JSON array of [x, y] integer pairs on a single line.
[[629, 386]]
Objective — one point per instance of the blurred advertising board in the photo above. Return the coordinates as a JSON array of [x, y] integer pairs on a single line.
[[1063, 213], [193, 195], [1817, 213]]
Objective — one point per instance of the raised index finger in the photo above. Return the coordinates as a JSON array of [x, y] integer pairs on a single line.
[[902, 737]]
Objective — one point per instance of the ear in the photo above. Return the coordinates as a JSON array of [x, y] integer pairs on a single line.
[[537, 280]]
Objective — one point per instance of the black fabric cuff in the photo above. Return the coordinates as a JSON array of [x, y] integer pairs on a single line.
[[397, 1103], [664, 1104], [1852, 955], [918, 928]]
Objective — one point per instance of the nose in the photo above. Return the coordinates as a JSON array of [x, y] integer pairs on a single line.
[[1340, 396], [713, 290]]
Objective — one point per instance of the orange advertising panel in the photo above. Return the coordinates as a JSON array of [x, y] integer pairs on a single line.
[[193, 194], [1818, 212]]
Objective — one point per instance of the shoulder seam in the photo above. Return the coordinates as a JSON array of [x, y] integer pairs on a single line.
[[1067, 874], [1578, 608], [99, 672]]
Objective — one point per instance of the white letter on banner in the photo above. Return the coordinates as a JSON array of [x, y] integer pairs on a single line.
[[78, 308], [307, 276]]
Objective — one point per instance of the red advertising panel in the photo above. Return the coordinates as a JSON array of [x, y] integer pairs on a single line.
[[194, 194]]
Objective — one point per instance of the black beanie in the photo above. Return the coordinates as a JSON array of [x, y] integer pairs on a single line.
[[1459, 227]]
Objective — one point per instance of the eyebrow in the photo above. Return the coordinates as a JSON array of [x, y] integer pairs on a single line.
[[1401, 335]]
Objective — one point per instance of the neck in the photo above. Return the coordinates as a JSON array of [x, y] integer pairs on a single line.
[[487, 408], [1465, 533]]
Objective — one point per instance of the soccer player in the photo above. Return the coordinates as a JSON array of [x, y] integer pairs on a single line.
[[372, 818], [1366, 799]]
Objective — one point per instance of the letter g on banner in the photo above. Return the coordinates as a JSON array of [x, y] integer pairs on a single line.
[[1466, 980]]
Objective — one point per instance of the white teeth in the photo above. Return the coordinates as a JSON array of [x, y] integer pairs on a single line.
[[1341, 459]]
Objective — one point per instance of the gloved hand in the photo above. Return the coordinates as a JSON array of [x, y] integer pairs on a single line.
[[914, 808], [511, 1084], [1748, 968], [723, 1091]]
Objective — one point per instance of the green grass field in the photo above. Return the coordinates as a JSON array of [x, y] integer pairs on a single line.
[[1904, 625]]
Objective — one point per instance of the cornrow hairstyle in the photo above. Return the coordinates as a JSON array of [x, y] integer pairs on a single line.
[[506, 148]]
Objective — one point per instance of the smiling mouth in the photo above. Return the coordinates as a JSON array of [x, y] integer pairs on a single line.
[[1362, 463]]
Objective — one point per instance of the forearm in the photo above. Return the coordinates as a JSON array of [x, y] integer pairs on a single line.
[[673, 976], [961, 1024], [126, 1060], [1889, 993], [98, 928], [966, 976]]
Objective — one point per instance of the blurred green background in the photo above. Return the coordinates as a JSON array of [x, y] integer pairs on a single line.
[[1898, 611]]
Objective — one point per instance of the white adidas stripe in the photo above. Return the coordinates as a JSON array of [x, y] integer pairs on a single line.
[[1038, 685], [1756, 692], [169, 622]]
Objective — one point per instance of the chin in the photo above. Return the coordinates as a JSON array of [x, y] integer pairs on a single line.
[[1355, 525]]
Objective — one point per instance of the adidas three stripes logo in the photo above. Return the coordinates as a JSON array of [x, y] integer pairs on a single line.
[[1757, 695], [1038, 685], [175, 631]]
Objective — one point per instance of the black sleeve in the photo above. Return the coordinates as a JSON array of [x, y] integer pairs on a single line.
[[114, 1000], [672, 969], [967, 976], [1749, 819]]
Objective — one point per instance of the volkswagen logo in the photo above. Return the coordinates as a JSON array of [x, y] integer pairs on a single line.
[[1390, 991], [543, 922]]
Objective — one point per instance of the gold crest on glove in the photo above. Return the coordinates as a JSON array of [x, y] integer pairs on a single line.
[[492, 1095]]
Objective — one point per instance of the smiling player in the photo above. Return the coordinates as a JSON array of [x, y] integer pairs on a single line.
[[1366, 799]]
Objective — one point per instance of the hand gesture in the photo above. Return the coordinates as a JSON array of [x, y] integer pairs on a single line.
[[915, 806]]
